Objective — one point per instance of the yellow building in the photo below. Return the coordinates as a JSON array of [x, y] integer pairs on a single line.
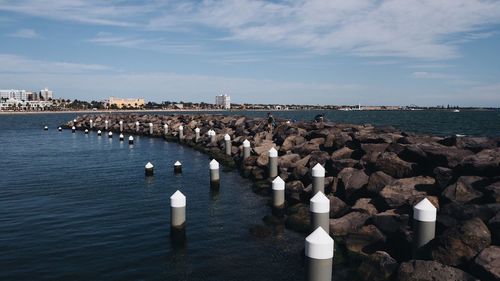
[[121, 103]]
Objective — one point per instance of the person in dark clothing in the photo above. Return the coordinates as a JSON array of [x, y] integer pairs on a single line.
[[270, 122], [319, 118]]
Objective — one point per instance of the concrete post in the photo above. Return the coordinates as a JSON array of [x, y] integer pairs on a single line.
[[150, 128], [246, 149], [181, 133], [227, 144], [212, 135], [121, 125], [214, 174], [99, 133], [59, 129], [73, 129], [137, 126], [86, 131], [177, 167], [91, 124], [165, 129], [177, 213], [131, 140], [424, 225], [318, 175], [273, 163], [45, 128], [106, 125], [149, 169], [74, 120], [319, 208], [278, 197], [110, 135], [122, 137], [196, 135], [319, 253]]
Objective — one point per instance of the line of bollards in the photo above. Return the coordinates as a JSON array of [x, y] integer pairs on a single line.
[[227, 144], [99, 133], [178, 216], [149, 169], [211, 134], [121, 125], [319, 208], [214, 174], [91, 124], [110, 134], [73, 129], [86, 131], [122, 137]]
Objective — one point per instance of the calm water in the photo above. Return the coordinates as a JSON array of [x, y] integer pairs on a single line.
[[78, 207]]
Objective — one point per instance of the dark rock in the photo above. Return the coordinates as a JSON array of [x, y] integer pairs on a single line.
[[378, 181], [406, 191], [484, 163], [351, 181], [443, 176], [487, 264], [494, 226], [336, 140], [440, 155], [300, 220], [263, 160], [318, 156], [264, 147], [343, 153], [390, 221], [493, 192], [419, 270], [365, 240], [288, 160], [348, 223], [392, 165], [475, 144], [293, 191], [300, 172], [469, 211], [379, 266], [463, 190], [337, 207], [308, 147], [339, 165], [365, 205], [373, 151], [291, 141], [460, 244]]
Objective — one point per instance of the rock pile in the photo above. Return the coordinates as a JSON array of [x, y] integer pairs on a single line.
[[374, 175]]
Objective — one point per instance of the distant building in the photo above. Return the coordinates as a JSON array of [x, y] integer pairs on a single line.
[[121, 103], [46, 94], [223, 101], [21, 95]]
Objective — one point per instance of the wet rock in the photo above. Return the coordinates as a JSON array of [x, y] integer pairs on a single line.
[[463, 191], [348, 223], [460, 244], [487, 264], [293, 191], [351, 181], [261, 231], [406, 191], [365, 240], [300, 220], [392, 165], [365, 205], [379, 266], [378, 181], [338, 208], [419, 270]]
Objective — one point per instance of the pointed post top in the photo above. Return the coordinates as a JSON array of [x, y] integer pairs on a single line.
[[73, 128], [74, 120], [278, 183], [318, 171], [177, 163], [227, 137], [319, 203], [214, 165], [121, 122], [86, 130], [165, 125], [137, 123], [110, 133], [91, 121], [178, 200], [273, 152], [319, 245], [99, 131], [131, 138], [150, 124], [121, 136], [197, 130], [148, 165], [424, 211], [246, 143], [181, 128], [106, 121]]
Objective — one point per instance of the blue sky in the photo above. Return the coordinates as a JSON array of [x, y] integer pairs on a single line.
[[433, 52]]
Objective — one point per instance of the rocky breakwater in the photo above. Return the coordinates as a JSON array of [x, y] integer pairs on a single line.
[[374, 176]]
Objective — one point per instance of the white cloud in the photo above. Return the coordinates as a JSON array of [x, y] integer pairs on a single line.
[[25, 33], [18, 64]]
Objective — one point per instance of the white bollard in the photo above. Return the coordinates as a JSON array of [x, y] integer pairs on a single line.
[[131, 140], [73, 129], [91, 124], [165, 129], [86, 131], [178, 218], [110, 135], [122, 137], [319, 252], [106, 125], [246, 149], [121, 125], [151, 128], [318, 175], [99, 133], [197, 135], [214, 174], [46, 128], [181, 133], [149, 169], [212, 135], [273, 163], [278, 187], [137, 126], [177, 167], [227, 144], [424, 225], [74, 120], [59, 129], [320, 211]]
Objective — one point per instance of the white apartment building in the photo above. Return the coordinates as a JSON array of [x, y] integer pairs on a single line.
[[46, 94], [14, 94], [223, 101]]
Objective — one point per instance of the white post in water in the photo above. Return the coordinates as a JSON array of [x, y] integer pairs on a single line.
[[424, 224], [273, 163], [278, 197], [212, 134], [137, 126], [165, 129], [110, 134], [121, 125], [214, 174], [86, 131], [46, 128], [246, 149], [177, 212], [196, 135], [99, 133], [106, 124], [131, 140], [59, 129], [150, 128], [177, 167], [122, 137], [319, 253], [318, 175], [227, 144], [149, 169], [320, 211], [91, 124], [181, 133], [73, 129]]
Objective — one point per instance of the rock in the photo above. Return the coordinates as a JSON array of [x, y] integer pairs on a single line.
[[378, 181], [308, 147], [291, 141], [469, 211], [263, 160], [419, 270], [258, 173], [463, 190], [264, 147], [379, 266], [303, 161], [261, 231], [343, 153], [406, 191], [348, 223], [351, 181], [493, 192], [484, 163], [293, 191], [373, 151], [487, 263], [494, 226], [288, 160], [475, 144], [392, 165], [300, 172], [337, 207], [440, 155], [460, 244], [338, 165], [364, 240], [412, 153], [300, 220], [443, 176], [390, 221], [365, 205], [320, 157], [336, 140]]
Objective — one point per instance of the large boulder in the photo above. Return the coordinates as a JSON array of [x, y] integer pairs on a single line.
[[445, 156], [288, 160], [443, 176], [351, 181], [379, 266], [378, 181], [364, 240], [294, 191], [459, 244], [494, 226], [390, 221], [464, 190], [348, 223], [291, 141], [484, 163], [391, 164], [419, 270], [342, 153], [406, 191], [487, 264], [264, 147], [373, 151], [318, 156], [493, 192], [365, 205], [338, 208]]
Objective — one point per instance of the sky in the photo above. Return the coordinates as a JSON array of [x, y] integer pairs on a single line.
[[427, 52]]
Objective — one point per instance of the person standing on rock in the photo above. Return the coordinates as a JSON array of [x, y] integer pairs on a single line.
[[270, 122]]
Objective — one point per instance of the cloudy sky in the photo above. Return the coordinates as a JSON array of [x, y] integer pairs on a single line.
[[428, 52]]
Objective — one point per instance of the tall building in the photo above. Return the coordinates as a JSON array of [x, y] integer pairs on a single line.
[[14, 94], [224, 101], [46, 94], [120, 103]]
